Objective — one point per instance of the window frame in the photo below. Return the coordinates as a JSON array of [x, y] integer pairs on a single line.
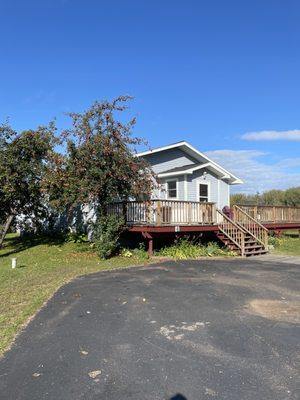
[[167, 188]]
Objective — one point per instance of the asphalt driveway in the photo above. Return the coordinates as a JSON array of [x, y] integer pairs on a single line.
[[216, 329]]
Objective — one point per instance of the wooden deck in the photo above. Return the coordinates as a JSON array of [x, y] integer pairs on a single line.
[[158, 213], [158, 218]]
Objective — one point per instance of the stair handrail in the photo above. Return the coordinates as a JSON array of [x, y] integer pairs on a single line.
[[240, 239], [263, 231]]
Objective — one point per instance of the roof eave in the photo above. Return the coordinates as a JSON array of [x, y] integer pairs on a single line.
[[235, 179]]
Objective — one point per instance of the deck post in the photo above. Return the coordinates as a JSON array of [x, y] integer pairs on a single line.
[[149, 238], [158, 213], [147, 215], [255, 212], [150, 247], [243, 244]]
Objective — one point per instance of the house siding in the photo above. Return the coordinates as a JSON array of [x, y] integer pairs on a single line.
[[168, 159], [174, 158], [224, 196], [180, 188], [195, 178], [218, 189]]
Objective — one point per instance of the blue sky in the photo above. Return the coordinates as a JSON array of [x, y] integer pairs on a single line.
[[223, 75]]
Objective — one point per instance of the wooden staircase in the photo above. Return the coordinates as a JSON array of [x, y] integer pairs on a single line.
[[242, 234]]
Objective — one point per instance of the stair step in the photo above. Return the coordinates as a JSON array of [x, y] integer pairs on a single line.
[[253, 251], [256, 253], [254, 246], [225, 237], [247, 241], [236, 234]]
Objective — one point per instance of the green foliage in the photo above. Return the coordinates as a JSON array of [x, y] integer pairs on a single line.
[[289, 197], [288, 243], [107, 231], [185, 249], [76, 237], [292, 196], [96, 166], [137, 253], [99, 164], [275, 241], [23, 159], [23, 162]]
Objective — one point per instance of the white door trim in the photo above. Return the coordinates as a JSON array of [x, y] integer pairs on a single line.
[[203, 182]]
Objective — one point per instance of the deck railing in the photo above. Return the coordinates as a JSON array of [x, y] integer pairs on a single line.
[[250, 225], [273, 213], [165, 212], [232, 231], [175, 212]]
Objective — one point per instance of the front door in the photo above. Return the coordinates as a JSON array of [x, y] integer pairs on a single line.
[[203, 192]]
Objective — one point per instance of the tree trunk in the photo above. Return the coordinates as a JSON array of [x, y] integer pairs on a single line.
[[5, 229]]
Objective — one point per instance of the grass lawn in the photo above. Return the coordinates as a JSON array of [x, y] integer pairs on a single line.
[[288, 243], [43, 266]]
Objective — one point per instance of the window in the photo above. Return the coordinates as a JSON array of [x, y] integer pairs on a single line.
[[203, 192], [172, 189]]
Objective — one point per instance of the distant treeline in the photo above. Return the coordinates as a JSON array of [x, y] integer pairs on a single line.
[[289, 197]]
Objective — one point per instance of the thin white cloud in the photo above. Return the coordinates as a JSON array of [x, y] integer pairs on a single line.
[[291, 136], [289, 163], [257, 175]]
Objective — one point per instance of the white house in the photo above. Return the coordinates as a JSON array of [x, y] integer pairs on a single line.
[[184, 173]]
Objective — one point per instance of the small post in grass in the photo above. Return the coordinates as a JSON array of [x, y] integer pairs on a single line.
[[14, 263]]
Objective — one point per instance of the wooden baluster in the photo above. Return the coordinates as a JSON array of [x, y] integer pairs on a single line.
[[124, 205], [189, 212]]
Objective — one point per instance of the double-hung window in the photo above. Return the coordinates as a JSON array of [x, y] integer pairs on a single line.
[[171, 187]]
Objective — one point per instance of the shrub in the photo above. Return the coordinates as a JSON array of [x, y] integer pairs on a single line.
[[185, 249], [106, 234], [75, 237], [276, 241], [138, 253]]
